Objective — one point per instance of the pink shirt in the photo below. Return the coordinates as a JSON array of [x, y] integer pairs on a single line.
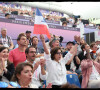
[[16, 56], [86, 67]]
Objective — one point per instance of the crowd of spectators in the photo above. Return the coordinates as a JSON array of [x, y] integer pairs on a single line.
[[71, 21], [27, 65]]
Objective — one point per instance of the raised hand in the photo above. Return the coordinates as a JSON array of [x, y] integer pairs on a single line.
[[42, 37], [36, 66], [42, 62]]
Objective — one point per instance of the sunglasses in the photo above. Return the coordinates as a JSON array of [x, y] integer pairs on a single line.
[[59, 53], [32, 52]]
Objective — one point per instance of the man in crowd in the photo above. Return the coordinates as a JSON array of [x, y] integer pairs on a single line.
[[39, 73], [5, 40], [18, 55], [28, 35]]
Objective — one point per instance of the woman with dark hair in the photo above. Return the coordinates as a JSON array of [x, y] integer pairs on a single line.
[[23, 75], [55, 64], [6, 67]]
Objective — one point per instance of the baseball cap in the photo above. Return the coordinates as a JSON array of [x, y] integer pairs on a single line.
[[28, 31], [70, 42]]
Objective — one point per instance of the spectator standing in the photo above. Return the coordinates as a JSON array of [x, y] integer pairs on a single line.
[[90, 72], [39, 73], [56, 63], [18, 55]]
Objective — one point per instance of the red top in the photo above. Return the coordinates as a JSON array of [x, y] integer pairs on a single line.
[[17, 56]]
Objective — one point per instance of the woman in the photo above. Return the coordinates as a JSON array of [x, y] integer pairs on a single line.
[[6, 67], [23, 76], [55, 64]]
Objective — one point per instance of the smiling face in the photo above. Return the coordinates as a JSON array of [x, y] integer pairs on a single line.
[[4, 54]]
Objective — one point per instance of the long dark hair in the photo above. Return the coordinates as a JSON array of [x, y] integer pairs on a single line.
[[1, 49]]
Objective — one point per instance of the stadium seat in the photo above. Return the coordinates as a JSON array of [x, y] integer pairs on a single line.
[[44, 82], [73, 79]]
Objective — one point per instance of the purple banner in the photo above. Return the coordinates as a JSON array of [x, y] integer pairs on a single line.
[[32, 24], [91, 27]]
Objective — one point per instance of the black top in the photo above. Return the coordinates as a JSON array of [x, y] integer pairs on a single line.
[[10, 71]]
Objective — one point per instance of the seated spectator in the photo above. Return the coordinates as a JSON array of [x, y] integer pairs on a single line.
[[6, 67], [48, 17], [7, 15], [56, 63], [28, 35], [5, 40], [21, 14], [64, 23], [39, 73], [4, 10], [18, 55]]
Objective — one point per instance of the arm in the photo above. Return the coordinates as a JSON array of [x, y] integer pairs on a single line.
[[42, 63], [9, 71], [44, 45], [88, 53], [86, 64], [73, 51], [77, 59], [11, 45]]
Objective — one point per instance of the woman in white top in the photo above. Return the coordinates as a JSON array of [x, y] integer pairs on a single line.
[[55, 64]]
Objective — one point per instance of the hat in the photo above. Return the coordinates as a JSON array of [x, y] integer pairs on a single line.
[[28, 31], [70, 42]]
